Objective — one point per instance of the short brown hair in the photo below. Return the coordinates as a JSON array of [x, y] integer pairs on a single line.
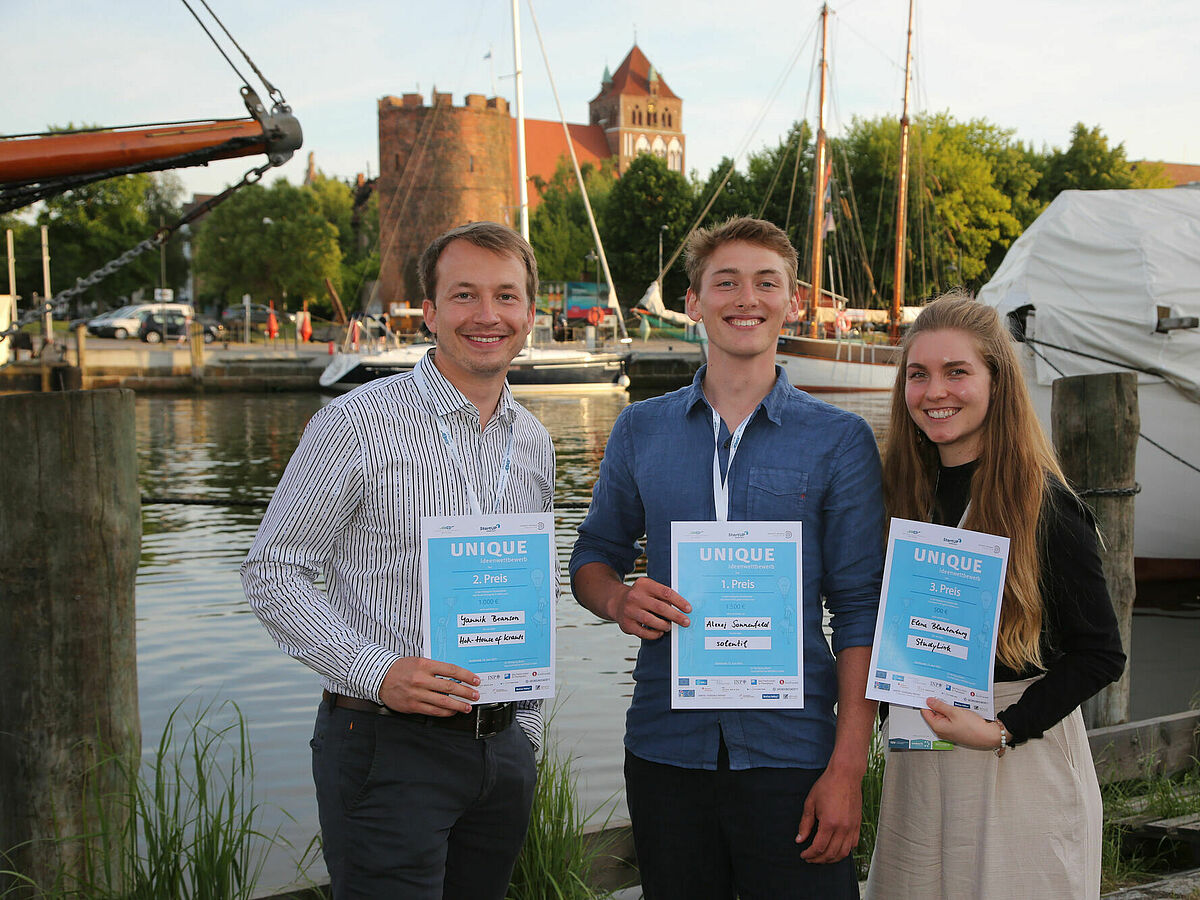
[[704, 243], [488, 235]]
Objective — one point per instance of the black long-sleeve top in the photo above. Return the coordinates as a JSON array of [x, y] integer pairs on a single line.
[[1080, 642]]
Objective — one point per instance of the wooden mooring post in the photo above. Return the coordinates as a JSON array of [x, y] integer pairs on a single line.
[[1095, 423], [70, 526]]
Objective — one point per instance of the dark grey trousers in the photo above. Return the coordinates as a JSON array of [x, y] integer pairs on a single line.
[[720, 835], [414, 811]]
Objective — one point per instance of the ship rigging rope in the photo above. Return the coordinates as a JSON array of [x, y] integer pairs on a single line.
[[272, 91], [783, 158], [750, 133], [1034, 347]]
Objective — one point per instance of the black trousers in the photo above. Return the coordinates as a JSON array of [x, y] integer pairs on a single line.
[[415, 811], [705, 835]]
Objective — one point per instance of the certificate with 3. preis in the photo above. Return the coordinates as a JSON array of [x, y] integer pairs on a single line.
[[939, 614], [744, 647], [488, 584]]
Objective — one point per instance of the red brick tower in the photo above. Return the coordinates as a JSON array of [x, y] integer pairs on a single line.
[[439, 166]]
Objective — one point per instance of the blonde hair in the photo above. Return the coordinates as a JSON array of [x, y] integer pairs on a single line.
[[1009, 486]]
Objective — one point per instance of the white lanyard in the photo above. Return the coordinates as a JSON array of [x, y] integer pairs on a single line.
[[721, 485], [452, 448]]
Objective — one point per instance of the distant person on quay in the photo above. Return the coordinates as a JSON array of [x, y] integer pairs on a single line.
[[1014, 810], [749, 802], [421, 794]]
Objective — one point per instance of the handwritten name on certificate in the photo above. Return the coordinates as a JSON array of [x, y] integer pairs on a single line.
[[487, 585], [938, 616], [744, 648]]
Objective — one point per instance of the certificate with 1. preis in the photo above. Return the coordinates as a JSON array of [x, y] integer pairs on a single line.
[[744, 647], [939, 614], [488, 590]]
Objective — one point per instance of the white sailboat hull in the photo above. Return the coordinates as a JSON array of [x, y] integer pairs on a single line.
[[534, 368], [815, 364]]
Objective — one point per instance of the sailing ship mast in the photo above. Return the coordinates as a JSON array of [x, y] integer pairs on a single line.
[[818, 222], [613, 302], [902, 194], [522, 177]]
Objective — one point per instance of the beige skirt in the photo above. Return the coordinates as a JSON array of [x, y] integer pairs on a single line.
[[959, 824]]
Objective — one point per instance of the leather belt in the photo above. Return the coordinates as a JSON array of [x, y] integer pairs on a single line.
[[485, 720]]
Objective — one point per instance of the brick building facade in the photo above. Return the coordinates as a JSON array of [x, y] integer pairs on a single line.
[[639, 113], [442, 165]]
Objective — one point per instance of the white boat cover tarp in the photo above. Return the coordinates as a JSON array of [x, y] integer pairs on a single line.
[[1095, 266]]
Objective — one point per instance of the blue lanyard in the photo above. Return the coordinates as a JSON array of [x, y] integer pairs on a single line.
[[721, 485], [453, 450]]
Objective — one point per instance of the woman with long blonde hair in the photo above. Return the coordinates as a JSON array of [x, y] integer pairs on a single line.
[[1014, 810]]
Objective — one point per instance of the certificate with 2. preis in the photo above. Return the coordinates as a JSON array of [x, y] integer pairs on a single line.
[[488, 590]]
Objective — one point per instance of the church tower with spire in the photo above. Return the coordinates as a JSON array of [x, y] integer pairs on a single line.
[[639, 113]]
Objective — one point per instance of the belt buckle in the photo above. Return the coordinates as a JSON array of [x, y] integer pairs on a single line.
[[491, 712]]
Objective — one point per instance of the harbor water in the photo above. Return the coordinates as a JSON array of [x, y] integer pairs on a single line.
[[199, 645]]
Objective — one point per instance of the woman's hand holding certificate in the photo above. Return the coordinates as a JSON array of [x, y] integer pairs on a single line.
[[962, 726]]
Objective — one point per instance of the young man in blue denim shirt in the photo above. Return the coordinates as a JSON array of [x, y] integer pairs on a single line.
[[742, 802]]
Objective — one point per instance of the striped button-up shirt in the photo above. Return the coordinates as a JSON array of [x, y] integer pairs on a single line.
[[349, 506]]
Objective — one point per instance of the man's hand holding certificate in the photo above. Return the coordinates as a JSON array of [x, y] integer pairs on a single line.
[[488, 584], [744, 646]]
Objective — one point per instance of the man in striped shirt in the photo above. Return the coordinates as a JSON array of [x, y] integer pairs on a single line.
[[420, 793]]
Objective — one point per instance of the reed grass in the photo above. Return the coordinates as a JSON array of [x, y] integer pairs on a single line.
[[1128, 861], [186, 827], [872, 791], [558, 858]]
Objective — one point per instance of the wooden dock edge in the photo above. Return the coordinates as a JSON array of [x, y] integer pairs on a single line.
[[1160, 746]]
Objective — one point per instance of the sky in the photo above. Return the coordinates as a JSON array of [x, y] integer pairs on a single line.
[[744, 70]]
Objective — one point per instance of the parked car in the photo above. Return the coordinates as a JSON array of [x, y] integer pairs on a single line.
[[157, 326], [121, 323], [236, 315]]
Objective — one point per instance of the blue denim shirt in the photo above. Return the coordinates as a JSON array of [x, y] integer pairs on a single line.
[[799, 458]]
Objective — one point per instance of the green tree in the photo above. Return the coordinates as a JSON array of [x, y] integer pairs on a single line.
[[354, 212], [965, 180], [645, 198], [738, 195], [782, 179], [26, 258], [94, 224], [775, 185], [273, 243], [558, 229], [1090, 164]]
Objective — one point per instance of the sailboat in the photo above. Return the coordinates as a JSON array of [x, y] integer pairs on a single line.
[[541, 365], [815, 363]]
